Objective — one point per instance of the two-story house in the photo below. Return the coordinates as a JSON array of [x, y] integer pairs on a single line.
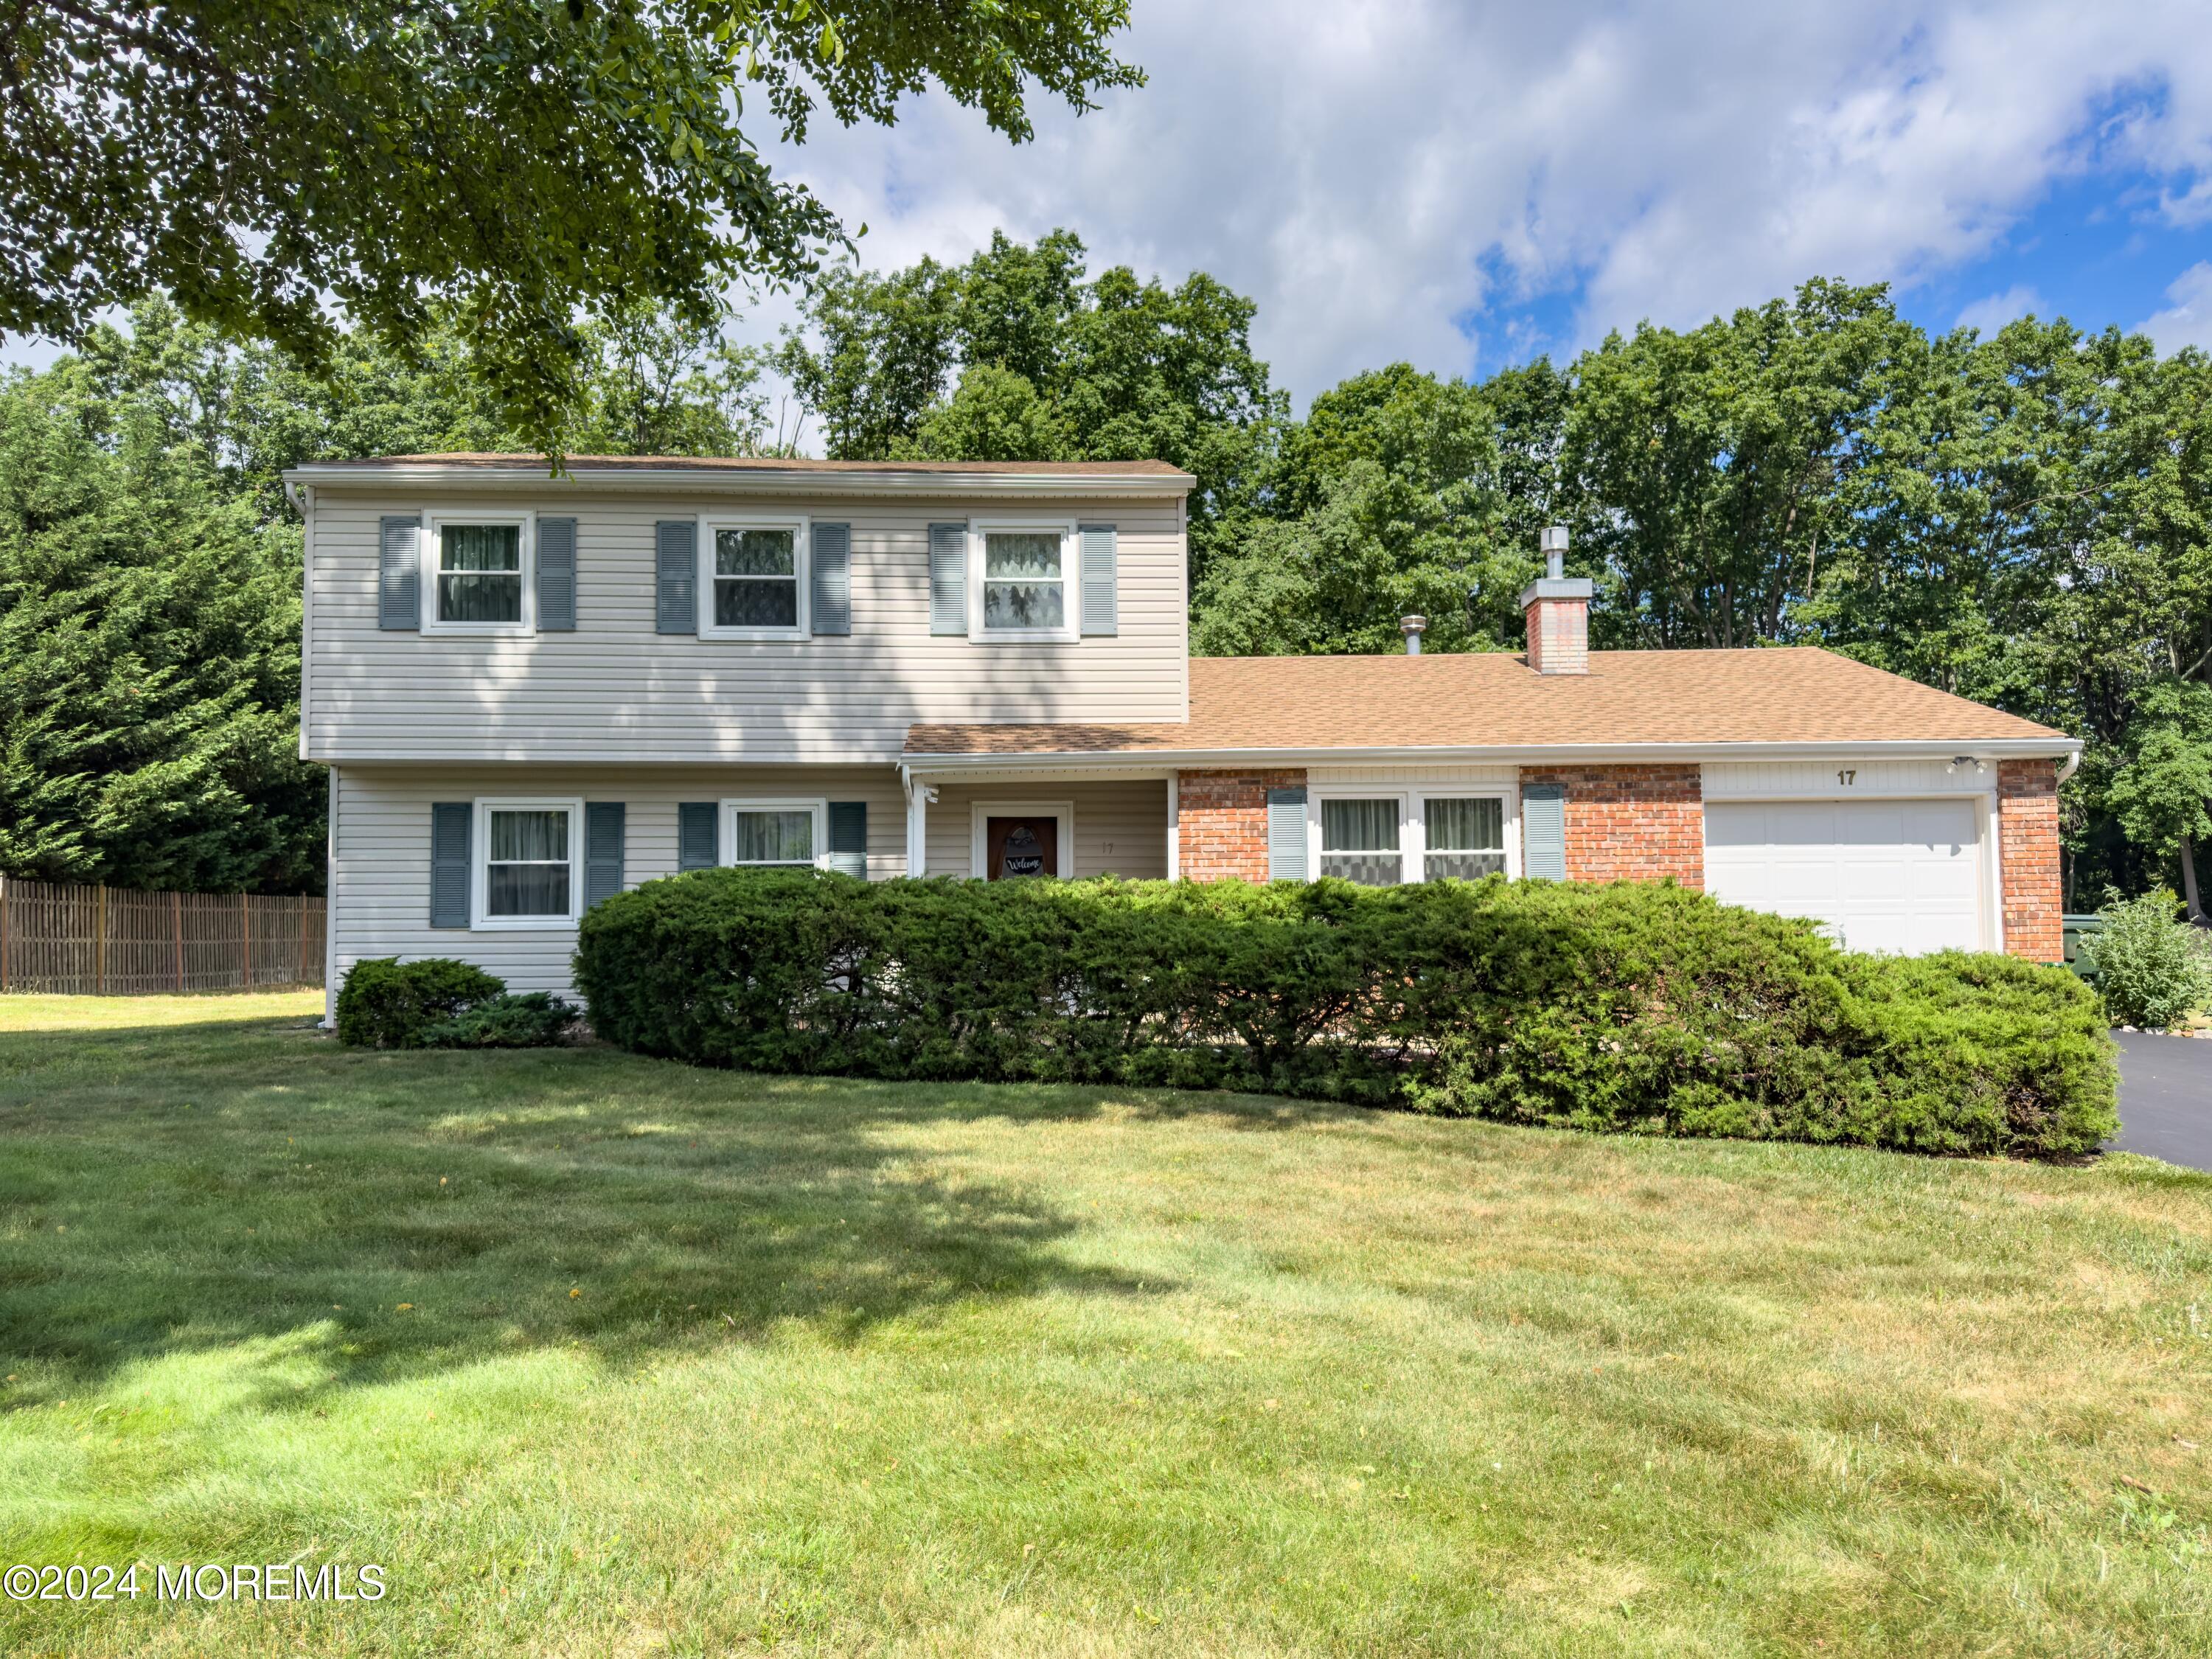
[[532, 692]]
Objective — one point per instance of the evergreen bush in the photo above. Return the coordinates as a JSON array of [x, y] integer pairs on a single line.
[[1639, 1007], [2152, 969], [512, 1020], [386, 1003]]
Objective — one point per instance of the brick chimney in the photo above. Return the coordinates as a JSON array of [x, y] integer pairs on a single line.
[[1558, 612]]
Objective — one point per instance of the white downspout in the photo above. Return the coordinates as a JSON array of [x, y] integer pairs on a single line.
[[1175, 826], [918, 796], [331, 906]]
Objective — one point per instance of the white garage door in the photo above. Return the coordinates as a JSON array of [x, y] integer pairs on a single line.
[[1883, 875]]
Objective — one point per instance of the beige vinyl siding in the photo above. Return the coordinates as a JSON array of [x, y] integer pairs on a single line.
[[380, 848], [1120, 827], [615, 690]]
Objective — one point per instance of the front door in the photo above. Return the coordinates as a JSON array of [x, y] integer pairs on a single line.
[[1021, 846]]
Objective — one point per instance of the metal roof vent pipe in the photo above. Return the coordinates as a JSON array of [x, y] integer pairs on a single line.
[[1557, 607], [1413, 627]]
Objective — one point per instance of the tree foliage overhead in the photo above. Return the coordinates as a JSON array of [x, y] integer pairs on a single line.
[[511, 166]]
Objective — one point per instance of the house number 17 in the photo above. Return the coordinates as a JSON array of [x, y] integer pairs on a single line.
[[1847, 777]]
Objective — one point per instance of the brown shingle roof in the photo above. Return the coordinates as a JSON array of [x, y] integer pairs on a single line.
[[1794, 694], [482, 461]]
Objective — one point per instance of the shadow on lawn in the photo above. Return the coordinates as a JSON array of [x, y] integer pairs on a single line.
[[170, 1190]]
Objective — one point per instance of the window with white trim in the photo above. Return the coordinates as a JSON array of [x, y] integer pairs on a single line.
[[1462, 836], [1360, 841], [528, 870], [792, 833], [1024, 582], [754, 585], [478, 579]]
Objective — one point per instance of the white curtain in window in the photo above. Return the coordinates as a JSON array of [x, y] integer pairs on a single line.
[[1360, 842], [526, 864], [774, 838], [1465, 839], [1022, 580]]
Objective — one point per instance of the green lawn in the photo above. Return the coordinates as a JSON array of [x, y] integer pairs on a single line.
[[597, 1355]]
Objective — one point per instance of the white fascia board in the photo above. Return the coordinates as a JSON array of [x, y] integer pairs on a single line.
[[767, 481], [1519, 754]]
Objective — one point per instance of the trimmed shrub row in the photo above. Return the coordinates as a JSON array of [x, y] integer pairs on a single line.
[[1638, 1007], [439, 1003]]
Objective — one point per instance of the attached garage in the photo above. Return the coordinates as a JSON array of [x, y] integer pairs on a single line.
[[1904, 875]]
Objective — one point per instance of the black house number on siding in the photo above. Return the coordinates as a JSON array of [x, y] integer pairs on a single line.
[[1847, 777]]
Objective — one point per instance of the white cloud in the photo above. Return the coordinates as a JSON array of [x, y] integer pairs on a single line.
[[1372, 172], [1375, 171], [2188, 320], [1993, 311]]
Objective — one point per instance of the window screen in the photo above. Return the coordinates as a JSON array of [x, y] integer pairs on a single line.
[[527, 863], [479, 573], [1360, 842], [756, 579], [777, 836], [1466, 839]]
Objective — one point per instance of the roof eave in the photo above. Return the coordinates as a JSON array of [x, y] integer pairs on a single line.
[[1986, 749], [764, 481]]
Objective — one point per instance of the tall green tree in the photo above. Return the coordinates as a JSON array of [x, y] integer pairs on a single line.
[[150, 568], [150, 653], [516, 165], [1019, 355], [1386, 502]]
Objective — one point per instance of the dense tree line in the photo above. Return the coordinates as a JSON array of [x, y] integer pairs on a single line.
[[2019, 518]]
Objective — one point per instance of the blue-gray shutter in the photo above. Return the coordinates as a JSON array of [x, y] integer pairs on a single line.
[[948, 579], [676, 565], [556, 575], [1102, 611], [848, 837], [449, 863], [604, 823], [1544, 831], [1286, 835], [698, 841], [832, 579], [400, 569]]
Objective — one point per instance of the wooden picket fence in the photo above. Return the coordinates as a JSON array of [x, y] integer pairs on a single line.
[[110, 941]]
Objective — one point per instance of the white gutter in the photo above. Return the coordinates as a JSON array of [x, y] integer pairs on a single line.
[[916, 763], [749, 481]]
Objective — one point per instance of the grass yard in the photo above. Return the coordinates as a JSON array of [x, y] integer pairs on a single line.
[[601, 1356]]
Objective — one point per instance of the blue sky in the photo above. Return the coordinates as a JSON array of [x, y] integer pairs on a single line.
[[1463, 183]]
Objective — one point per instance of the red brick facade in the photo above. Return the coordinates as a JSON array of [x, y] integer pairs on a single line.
[[1631, 822], [1559, 635], [1222, 823], [2028, 854]]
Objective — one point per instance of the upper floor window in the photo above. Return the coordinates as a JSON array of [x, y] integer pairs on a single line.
[[480, 579], [1024, 588], [755, 584]]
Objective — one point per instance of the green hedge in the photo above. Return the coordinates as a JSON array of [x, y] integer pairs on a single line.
[[1636, 1007], [440, 1003]]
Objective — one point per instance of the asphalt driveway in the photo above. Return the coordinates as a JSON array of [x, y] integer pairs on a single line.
[[2166, 1098]]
